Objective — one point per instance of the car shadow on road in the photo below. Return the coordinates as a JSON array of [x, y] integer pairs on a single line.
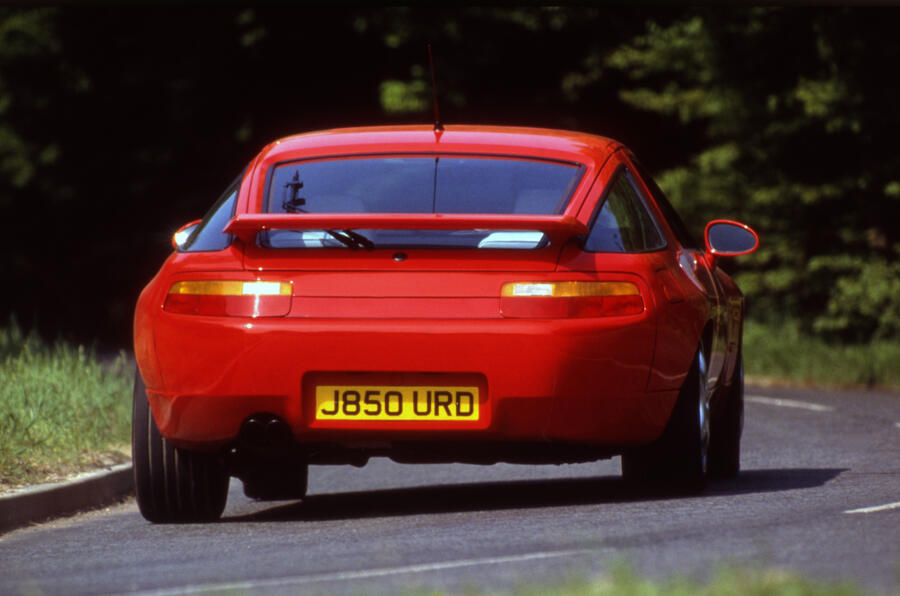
[[520, 494], [766, 481]]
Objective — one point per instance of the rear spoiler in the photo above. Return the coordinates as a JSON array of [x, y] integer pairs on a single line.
[[247, 225]]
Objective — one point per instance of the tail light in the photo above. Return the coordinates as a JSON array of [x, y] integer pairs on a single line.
[[570, 299], [230, 298]]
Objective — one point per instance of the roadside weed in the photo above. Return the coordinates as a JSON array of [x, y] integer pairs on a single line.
[[61, 408], [785, 354]]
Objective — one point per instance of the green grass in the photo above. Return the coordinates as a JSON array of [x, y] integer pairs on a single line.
[[784, 354], [61, 409], [727, 581]]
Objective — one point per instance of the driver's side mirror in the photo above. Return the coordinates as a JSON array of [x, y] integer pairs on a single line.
[[726, 238], [180, 237]]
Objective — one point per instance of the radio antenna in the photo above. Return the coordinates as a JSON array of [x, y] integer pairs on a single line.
[[437, 114]]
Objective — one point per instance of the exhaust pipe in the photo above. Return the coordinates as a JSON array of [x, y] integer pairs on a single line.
[[278, 434], [253, 432], [266, 431]]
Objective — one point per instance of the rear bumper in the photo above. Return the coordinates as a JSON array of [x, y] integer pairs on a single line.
[[552, 380]]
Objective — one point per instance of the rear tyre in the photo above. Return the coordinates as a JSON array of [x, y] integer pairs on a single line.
[[678, 460], [172, 484], [727, 426]]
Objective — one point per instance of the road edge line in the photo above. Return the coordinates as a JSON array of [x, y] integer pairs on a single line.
[[788, 403], [875, 508], [358, 574], [47, 501]]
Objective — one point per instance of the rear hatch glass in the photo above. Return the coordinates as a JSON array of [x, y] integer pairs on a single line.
[[438, 184]]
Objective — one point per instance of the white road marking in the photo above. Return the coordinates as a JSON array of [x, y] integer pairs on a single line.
[[788, 403], [876, 508], [250, 585]]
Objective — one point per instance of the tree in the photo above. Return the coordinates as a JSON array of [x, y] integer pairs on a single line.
[[117, 125], [797, 117]]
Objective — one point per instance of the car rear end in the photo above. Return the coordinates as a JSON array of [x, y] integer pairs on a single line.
[[413, 299]]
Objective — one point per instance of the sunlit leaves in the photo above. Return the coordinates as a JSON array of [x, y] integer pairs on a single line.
[[414, 96], [863, 302], [826, 100], [683, 48], [399, 97], [786, 102]]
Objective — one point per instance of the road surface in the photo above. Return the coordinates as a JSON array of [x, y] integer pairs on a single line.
[[819, 493]]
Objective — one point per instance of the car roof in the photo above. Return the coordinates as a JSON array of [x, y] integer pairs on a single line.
[[499, 140]]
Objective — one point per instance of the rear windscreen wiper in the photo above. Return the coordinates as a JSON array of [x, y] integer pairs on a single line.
[[351, 239], [358, 239], [348, 238]]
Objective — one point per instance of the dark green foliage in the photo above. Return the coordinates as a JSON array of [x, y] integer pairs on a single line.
[[119, 124], [798, 137]]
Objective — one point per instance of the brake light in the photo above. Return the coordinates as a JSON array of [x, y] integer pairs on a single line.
[[570, 299], [229, 298]]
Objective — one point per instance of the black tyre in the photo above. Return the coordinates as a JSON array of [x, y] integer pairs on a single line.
[[727, 427], [678, 460], [172, 485]]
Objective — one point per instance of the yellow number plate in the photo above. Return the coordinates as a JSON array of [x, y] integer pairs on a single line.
[[348, 402]]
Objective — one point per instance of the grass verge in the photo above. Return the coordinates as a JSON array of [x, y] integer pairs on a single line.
[[785, 354], [727, 581], [61, 410]]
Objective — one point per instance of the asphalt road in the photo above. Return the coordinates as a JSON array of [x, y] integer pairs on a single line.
[[811, 458]]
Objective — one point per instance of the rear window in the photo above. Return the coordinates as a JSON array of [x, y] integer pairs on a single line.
[[208, 236], [420, 184], [623, 223]]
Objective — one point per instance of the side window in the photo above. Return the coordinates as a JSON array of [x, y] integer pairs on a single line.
[[208, 235], [623, 223], [662, 201]]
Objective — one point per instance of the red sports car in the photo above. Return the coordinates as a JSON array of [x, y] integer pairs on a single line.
[[467, 294]]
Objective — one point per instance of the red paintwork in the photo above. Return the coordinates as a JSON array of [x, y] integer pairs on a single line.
[[246, 225], [437, 316]]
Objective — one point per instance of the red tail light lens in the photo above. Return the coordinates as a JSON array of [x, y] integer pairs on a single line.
[[230, 298], [570, 299]]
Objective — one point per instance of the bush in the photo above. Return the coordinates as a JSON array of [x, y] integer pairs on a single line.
[[864, 301]]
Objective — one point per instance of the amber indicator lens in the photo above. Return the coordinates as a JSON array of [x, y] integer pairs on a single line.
[[570, 299], [229, 298]]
